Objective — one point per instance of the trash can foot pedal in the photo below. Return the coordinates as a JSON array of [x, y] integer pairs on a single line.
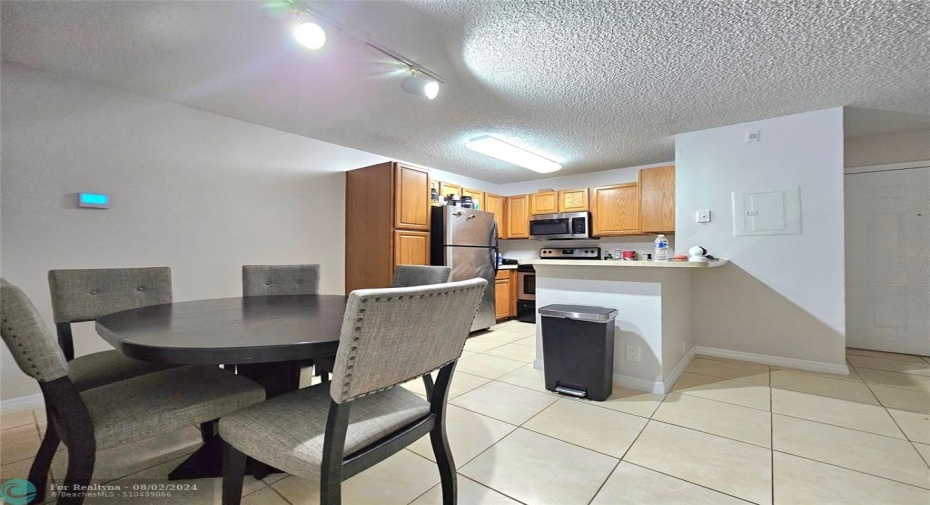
[[571, 392]]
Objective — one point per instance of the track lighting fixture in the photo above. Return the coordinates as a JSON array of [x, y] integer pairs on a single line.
[[419, 85], [310, 35]]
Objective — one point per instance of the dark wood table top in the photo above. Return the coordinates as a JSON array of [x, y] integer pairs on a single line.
[[254, 329]]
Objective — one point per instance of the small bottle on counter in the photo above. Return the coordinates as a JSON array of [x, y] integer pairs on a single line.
[[661, 245]]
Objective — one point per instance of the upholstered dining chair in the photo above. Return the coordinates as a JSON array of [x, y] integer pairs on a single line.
[[280, 280], [270, 280], [405, 276], [335, 430], [419, 275], [114, 414], [80, 295]]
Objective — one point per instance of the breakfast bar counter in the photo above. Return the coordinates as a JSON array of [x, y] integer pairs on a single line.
[[653, 337], [625, 263]]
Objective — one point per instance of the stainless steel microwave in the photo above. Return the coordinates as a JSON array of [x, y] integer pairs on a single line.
[[568, 225]]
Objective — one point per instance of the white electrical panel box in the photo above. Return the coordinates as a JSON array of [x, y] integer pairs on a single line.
[[767, 213]]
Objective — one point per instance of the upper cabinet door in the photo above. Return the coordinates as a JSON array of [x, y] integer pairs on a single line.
[[545, 202], [573, 200], [518, 225], [411, 198], [495, 205], [615, 210], [476, 196], [657, 199], [445, 189]]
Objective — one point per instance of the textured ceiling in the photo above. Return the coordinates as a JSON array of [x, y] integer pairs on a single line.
[[594, 84]]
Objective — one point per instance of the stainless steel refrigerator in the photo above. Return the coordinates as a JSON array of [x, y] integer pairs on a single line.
[[466, 240]]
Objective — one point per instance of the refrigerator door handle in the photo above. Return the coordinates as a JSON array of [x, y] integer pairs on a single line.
[[495, 244]]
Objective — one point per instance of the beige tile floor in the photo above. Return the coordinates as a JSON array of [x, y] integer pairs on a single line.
[[730, 432]]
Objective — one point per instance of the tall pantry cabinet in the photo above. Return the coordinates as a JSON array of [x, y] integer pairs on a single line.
[[387, 222]]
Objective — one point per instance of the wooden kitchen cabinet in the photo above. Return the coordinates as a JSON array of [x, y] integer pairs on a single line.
[[476, 196], [446, 189], [544, 202], [517, 216], [504, 302], [411, 247], [657, 199], [615, 210], [387, 223], [495, 205], [412, 198], [573, 200]]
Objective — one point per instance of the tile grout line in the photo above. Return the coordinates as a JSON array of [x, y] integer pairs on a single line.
[[614, 469], [772, 435], [895, 421], [856, 471], [688, 481], [905, 439]]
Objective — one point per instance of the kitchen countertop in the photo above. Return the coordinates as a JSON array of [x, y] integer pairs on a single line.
[[622, 263], [508, 267]]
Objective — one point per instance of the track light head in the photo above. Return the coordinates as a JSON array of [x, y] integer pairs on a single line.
[[310, 35], [422, 86]]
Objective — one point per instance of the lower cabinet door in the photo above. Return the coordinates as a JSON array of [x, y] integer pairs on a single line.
[[502, 301], [411, 247]]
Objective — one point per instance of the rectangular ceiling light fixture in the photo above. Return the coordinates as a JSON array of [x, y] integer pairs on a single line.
[[496, 148]]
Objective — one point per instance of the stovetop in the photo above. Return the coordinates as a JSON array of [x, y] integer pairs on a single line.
[[577, 253]]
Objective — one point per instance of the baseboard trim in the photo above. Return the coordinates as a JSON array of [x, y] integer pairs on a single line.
[[765, 359], [638, 384], [22, 403], [676, 372]]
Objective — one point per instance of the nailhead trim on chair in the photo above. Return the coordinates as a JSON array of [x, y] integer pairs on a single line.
[[354, 349]]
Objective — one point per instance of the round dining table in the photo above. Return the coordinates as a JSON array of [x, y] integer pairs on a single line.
[[241, 330], [265, 337]]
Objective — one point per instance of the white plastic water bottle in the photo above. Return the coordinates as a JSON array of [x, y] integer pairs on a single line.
[[661, 244]]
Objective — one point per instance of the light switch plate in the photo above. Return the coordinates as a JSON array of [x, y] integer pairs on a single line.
[[702, 216], [774, 212]]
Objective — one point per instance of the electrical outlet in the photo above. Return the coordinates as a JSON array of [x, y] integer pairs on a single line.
[[634, 352], [702, 216]]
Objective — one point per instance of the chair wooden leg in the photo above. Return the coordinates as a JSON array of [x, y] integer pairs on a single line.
[[38, 473], [446, 464], [81, 459], [233, 474]]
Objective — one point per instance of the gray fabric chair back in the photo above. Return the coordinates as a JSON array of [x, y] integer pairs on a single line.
[[89, 294], [31, 342], [270, 280], [419, 275], [390, 336]]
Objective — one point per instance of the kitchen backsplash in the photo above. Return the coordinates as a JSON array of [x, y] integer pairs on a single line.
[[525, 249]]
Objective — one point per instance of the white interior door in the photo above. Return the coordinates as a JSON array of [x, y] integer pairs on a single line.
[[888, 260]]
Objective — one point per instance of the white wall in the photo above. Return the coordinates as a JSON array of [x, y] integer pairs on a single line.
[[198, 192], [887, 148], [781, 295]]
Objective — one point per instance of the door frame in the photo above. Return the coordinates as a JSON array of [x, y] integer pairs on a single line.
[[868, 169]]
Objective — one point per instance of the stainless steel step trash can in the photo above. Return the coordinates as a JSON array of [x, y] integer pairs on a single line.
[[578, 350]]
